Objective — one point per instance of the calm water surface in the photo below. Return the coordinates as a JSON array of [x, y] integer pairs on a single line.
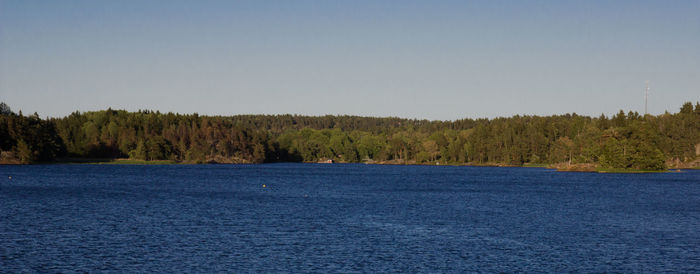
[[365, 218]]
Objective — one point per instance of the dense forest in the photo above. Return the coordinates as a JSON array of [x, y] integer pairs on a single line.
[[625, 140]]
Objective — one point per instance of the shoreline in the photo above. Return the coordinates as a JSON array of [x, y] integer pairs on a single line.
[[591, 168]]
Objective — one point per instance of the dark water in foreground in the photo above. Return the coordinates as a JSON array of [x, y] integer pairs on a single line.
[[310, 217]]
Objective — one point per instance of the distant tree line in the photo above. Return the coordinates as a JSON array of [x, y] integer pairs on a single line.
[[625, 140], [27, 139]]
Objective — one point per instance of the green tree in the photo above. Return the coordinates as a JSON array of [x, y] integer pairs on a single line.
[[613, 154], [5, 109], [24, 152], [140, 151], [646, 157], [563, 150]]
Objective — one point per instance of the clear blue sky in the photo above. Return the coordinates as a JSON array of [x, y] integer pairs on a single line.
[[415, 59]]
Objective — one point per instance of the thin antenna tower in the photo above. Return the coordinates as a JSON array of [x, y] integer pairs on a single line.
[[646, 97]]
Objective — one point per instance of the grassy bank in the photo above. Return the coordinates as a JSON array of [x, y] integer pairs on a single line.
[[625, 170], [534, 165], [590, 167]]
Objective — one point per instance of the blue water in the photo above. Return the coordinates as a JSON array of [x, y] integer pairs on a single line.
[[366, 218]]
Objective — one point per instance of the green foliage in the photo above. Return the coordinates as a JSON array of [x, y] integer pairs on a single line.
[[157, 148], [369, 147], [140, 151], [24, 152], [613, 154], [29, 137], [5, 109], [646, 157], [196, 153], [147, 135], [624, 141]]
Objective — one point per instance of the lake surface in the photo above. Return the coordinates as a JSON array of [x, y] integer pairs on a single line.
[[345, 218]]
